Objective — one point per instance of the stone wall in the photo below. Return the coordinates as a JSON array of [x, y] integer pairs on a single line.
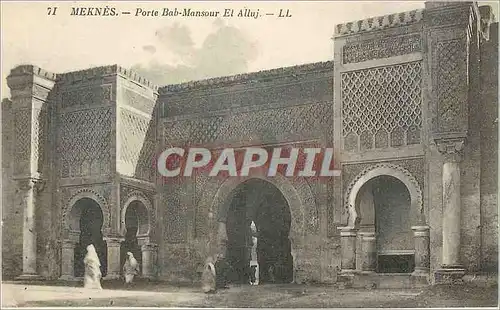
[[12, 217], [287, 106], [489, 152]]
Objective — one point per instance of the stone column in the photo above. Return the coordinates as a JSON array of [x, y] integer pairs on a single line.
[[348, 245], [114, 268], [29, 189], [368, 252], [422, 255], [451, 268], [68, 260], [149, 251]]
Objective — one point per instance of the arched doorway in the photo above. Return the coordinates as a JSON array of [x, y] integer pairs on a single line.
[[384, 207], [259, 201], [136, 229], [87, 218]]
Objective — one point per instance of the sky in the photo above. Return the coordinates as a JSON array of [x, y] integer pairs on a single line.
[[171, 49]]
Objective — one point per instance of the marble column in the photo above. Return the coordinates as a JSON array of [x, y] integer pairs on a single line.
[[451, 268], [148, 251], [29, 189], [68, 260], [368, 252], [114, 267], [422, 255], [348, 237]]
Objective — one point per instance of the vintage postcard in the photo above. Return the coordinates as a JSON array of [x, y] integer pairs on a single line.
[[330, 154]]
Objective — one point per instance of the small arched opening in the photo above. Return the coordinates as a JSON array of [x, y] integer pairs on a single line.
[[384, 207], [136, 224], [86, 217]]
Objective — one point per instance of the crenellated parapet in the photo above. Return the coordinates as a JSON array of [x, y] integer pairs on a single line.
[[92, 73], [34, 70], [380, 22]]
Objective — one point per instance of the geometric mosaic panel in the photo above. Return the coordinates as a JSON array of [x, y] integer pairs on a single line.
[[88, 96], [451, 85], [382, 106], [139, 102], [137, 144], [132, 135], [22, 126], [84, 142], [267, 124]]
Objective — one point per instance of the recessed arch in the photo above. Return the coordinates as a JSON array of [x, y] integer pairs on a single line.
[[69, 212], [403, 175], [297, 194], [144, 211]]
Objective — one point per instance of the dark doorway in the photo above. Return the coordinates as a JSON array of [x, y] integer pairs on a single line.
[[132, 224], [90, 223], [261, 202]]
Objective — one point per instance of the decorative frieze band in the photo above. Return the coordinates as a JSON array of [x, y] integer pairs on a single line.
[[381, 48]]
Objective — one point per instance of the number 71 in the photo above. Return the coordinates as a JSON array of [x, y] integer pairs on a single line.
[[51, 11]]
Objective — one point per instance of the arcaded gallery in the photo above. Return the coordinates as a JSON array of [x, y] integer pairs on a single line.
[[408, 101]]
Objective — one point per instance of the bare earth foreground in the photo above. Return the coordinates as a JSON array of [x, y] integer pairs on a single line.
[[54, 294]]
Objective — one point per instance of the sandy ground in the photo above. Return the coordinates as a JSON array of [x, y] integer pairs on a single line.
[[269, 296]]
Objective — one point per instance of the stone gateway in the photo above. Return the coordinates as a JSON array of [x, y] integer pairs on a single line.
[[408, 103]]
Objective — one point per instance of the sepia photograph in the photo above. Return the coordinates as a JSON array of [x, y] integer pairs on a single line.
[[258, 154]]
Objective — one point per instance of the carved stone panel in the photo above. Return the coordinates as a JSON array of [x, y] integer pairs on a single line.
[[381, 48], [381, 107], [139, 102], [451, 85], [175, 217], [22, 138], [86, 96], [137, 145], [205, 189], [84, 142], [284, 86], [264, 125]]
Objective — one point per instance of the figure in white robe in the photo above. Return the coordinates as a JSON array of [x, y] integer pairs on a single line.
[[130, 268], [208, 277], [92, 277]]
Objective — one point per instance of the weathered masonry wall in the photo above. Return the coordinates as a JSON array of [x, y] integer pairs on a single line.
[[489, 152], [286, 107], [411, 96], [407, 88]]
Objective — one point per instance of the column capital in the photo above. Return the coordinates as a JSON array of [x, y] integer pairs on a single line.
[[367, 235], [451, 148], [31, 183], [420, 231], [149, 247], [113, 241], [348, 231], [68, 243]]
